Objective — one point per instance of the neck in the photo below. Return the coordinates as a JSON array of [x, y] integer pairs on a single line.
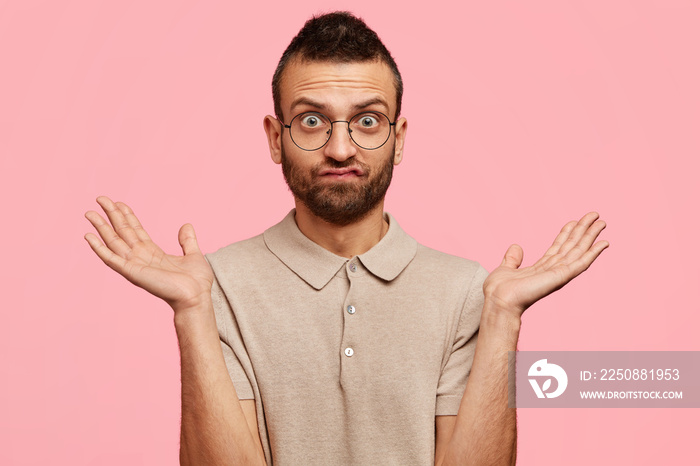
[[347, 240]]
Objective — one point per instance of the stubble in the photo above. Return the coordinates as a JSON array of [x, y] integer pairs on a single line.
[[340, 203]]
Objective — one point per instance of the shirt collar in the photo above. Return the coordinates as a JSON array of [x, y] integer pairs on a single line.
[[316, 265]]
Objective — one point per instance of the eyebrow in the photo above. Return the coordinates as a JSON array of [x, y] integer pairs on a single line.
[[309, 102], [322, 106], [370, 102]]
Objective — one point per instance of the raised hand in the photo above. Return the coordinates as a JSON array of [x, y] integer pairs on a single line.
[[573, 251], [184, 281]]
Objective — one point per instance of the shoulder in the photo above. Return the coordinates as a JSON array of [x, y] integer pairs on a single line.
[[431, 264], [245, 252], [448, 266], [454, 282]]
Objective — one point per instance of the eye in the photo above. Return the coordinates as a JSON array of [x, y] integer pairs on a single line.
[[311, 121], [367, 121]]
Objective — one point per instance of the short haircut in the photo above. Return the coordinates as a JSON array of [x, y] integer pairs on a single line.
[[338, 37]]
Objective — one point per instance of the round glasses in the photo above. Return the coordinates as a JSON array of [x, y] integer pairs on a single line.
[[312, 130]]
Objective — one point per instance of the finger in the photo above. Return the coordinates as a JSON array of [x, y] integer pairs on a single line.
[[188, 240], [560, 239], [119, 223], [584, 244], [109, 236], [112, 260], [513, 257], [133, 221], [582, 263], [578, 231]]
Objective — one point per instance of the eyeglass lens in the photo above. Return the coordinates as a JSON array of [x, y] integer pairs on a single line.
[[311, 130]]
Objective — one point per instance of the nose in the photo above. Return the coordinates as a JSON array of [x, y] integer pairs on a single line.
[[340, 147]]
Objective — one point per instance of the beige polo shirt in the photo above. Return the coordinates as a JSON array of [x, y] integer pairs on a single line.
[[348, 360]]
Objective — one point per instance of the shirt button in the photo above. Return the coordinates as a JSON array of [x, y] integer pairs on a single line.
[[353, 267], [349, 352], [351, 309]]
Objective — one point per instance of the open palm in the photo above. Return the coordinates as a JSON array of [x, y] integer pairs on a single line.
[[182, 281], [572, 252]]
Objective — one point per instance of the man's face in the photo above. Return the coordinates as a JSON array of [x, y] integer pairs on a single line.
[[340, 182]]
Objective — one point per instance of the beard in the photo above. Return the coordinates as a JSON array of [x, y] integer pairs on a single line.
[[340, 203]]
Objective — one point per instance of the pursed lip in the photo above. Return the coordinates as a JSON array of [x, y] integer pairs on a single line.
[[357, 171]]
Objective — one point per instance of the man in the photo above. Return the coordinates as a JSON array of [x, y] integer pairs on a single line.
[[334, 338]]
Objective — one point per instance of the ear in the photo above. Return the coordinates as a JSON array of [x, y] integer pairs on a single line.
[[400, 128], [273, 129]]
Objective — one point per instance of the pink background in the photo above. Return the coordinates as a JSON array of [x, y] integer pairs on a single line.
[[523, 115]]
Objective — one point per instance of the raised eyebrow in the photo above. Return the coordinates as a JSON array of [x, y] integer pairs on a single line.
[[308, 102], [370, 102]]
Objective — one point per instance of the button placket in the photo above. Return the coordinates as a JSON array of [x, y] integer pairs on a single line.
[[353, 273]]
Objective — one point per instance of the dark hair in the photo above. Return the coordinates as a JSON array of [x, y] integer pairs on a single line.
[[336, 37]]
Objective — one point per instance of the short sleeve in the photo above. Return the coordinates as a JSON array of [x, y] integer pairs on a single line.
[[230, 337], [453, 379]]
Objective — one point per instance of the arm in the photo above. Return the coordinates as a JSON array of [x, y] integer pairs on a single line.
[[484, 430], [216, 427]]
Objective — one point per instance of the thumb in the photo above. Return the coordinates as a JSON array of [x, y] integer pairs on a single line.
[[513, 257], [188, 240]]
